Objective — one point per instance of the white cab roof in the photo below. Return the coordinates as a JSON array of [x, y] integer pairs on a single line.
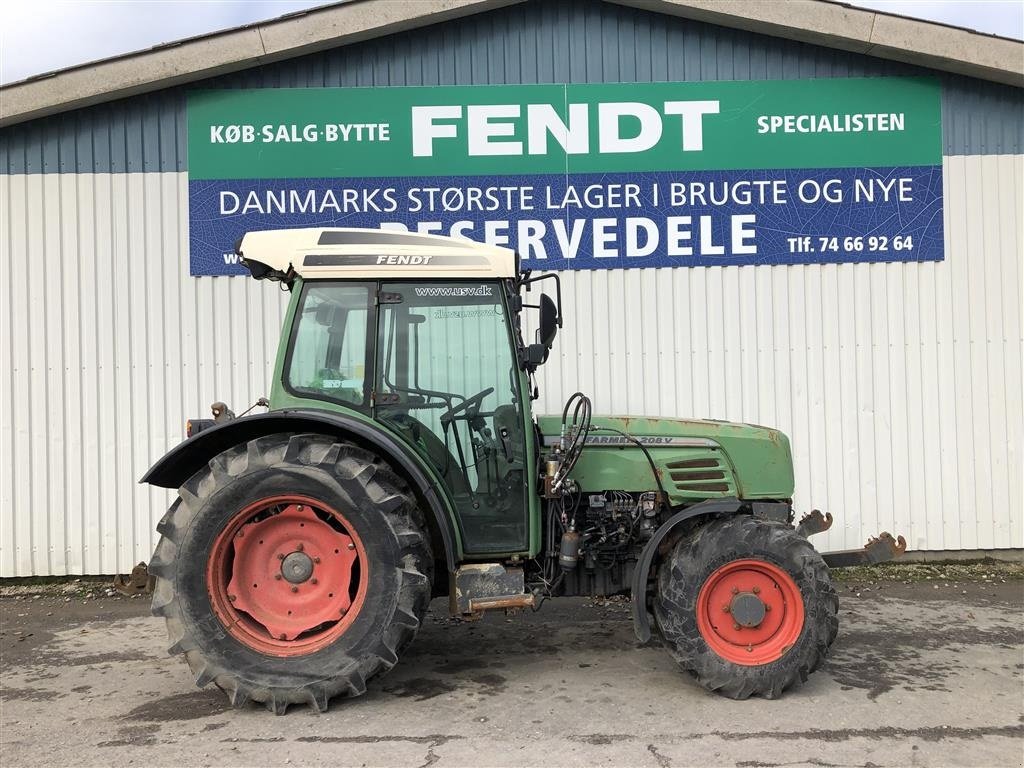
[[372, 253]]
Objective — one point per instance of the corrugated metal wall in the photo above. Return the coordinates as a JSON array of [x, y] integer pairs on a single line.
[[900, 384], [108, 346]]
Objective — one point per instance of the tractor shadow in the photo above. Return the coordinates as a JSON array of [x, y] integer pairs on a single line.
[[481, 658]]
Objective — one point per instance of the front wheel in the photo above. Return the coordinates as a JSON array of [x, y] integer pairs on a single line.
[[746, 606], [292, 569]]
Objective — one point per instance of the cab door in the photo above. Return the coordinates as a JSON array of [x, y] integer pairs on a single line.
[[447, 381]]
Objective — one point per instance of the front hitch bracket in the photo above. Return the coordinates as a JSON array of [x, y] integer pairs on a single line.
[[880, 549], [814, 522]]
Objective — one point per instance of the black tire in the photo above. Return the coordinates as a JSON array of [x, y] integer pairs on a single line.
[[696, 557], [381, 510]]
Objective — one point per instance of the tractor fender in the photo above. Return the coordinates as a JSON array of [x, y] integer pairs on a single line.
[[187, 458], [641, 618]]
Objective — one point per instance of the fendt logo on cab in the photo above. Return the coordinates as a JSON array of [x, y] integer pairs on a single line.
[[403, 261]]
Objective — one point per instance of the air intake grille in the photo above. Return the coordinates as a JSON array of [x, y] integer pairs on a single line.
[[705, 475]]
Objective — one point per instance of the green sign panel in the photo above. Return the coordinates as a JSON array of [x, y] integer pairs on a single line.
[[533, 129]]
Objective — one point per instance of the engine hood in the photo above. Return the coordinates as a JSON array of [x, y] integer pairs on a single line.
[[696, 458]]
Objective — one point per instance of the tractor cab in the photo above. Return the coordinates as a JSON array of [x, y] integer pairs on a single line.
[[421, 334]]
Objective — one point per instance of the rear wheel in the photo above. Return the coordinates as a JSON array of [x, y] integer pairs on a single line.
[[292, 569], [747, 606]]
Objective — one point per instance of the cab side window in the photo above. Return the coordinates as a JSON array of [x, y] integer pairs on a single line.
[[328, 357]]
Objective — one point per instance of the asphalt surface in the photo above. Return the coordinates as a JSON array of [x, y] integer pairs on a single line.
[[919, 676]]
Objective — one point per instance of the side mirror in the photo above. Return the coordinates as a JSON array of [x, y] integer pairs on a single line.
[[548, 322], [536, 355]]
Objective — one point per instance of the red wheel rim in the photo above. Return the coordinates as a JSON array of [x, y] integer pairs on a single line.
[[750, 612], [287, 575]]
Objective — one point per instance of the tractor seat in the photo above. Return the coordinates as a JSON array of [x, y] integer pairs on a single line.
[[506, 417]]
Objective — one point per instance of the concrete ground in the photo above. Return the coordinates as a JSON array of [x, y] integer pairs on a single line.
[[922, 674]]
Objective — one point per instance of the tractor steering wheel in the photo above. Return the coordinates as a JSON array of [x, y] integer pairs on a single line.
[[471, 405]]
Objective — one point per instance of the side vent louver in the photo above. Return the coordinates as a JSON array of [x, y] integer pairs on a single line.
[[691, 475]]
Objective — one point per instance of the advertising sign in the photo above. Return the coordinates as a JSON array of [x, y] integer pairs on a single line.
[[592, 176]]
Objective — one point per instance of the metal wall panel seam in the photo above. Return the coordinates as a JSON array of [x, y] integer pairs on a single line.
[[945, 374], [85, 255], [36, 339], [102, 221], [1005, 362], [1012, 238], [997, 411], [1016, 464], [831, 361], [8, 523], [970, 526], [156, 335], [979, 353], [67, 227], [992, 276], [882, 376], [138, 345], [7, 393], [122, 311], [41, 376], [897, 338], [125, 310], [962, 361], [58, 390], [923, 418], [106, 324]]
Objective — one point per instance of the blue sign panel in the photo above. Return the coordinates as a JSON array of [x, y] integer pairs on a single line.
[[600, 221]]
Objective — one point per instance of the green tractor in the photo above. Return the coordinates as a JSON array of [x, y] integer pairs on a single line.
[[400, 460]]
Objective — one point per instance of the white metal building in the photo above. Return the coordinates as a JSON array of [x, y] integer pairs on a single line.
[[900, 384]]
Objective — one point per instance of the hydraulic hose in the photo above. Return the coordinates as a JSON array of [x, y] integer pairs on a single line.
[[577, 431]]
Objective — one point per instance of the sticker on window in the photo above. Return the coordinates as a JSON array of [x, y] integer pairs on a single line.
[[455, 290]]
